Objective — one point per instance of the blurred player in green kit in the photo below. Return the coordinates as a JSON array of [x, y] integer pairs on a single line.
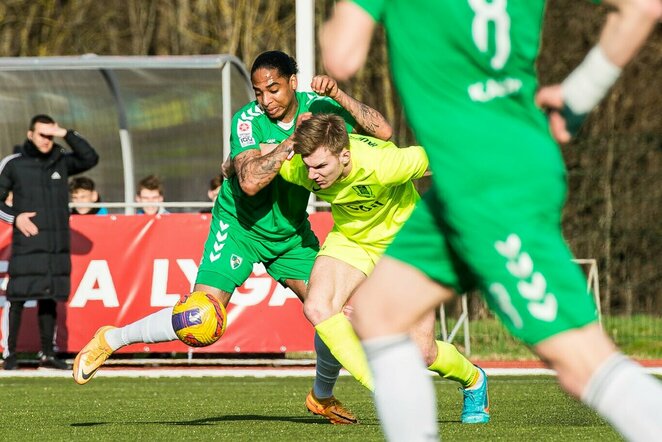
[[465, 70]]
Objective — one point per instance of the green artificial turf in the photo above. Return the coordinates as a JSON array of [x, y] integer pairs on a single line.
[[268, 409]]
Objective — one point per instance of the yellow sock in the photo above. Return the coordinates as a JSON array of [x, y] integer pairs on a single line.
[[451, 364], [338, 334]]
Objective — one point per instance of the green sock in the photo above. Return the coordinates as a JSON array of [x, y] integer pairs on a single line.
[[451, 364], [338, 334]]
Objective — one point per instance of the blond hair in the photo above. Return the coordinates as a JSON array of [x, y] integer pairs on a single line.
[[321, 130]]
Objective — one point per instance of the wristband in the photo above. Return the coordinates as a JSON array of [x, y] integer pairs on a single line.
[[589, 82]]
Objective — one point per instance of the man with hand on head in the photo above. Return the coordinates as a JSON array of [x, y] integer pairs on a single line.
[[40, 263]]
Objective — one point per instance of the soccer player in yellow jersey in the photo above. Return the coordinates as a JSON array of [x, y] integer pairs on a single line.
[[368, 184]]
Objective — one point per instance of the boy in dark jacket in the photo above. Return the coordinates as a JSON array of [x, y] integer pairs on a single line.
[[40, 263]]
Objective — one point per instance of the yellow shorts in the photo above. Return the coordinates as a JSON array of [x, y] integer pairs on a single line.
[[361, 256]]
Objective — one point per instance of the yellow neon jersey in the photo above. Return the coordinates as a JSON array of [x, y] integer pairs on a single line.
[[376, 198]]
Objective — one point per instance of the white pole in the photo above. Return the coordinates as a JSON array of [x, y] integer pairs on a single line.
[[305, 42], [305, 56], [226, 93]]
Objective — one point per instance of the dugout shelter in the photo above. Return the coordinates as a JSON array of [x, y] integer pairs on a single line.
[[163, 115]]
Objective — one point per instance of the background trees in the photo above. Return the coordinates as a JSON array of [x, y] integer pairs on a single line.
[[614, 210]]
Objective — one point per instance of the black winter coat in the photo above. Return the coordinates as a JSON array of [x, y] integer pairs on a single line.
[[40, 265]]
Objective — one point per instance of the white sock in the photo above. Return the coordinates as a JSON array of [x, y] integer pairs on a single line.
[[156, 327], [404, 394], [626, 397]]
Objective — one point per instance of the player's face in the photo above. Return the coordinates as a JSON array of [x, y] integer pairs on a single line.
[[84, 196], [149, 196], [325, 168], [275, 94], [44, 143]]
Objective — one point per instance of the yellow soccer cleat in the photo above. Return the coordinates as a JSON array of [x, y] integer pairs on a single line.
[[330, 408], [92, 356]]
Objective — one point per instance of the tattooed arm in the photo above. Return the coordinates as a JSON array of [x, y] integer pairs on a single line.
[[256, 171], [368, 118]]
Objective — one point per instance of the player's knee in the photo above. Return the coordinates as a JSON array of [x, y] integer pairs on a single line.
[[312, 313], [575, 355], [316, 311]]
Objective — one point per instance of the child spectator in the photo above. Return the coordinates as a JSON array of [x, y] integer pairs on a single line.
[[150, 190], [83, 190]]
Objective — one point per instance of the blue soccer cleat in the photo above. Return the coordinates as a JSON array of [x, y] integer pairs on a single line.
[[476, 406]]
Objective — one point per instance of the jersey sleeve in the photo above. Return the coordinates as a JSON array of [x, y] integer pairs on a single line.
[[245, 134], [374, 8], [7, 213], [399, 165], [326, 105], [295, 172]]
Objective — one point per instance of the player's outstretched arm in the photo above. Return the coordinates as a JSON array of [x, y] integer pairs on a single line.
[[345, 40], [256, 171], [373, 122], [624, 33]]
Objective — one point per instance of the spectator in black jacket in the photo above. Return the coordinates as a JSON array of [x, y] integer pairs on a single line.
[[40, 263]]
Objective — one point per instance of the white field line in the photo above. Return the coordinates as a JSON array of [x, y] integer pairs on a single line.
[[241, 372]]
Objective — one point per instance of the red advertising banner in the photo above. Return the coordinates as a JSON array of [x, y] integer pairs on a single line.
[[127, 267]]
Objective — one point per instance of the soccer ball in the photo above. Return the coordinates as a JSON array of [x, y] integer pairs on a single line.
[[199, 319]]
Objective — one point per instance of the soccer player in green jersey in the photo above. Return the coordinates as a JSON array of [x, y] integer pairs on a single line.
[[465, 70], [258, 217], [368, 184]]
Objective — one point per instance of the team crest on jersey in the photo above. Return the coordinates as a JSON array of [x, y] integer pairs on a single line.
[[363, 191], [235, 261]]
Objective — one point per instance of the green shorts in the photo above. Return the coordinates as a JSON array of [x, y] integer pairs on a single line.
[[505, 240], [231, 251]]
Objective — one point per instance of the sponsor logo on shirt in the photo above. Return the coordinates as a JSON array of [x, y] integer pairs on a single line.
[[245, 133], [367, 141], [364, 207], [490, 89]]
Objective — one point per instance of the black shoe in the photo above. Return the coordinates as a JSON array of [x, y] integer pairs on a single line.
[[11, 362], [53, 362]]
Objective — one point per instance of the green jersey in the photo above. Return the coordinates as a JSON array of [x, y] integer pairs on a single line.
[[279, 210], [468, 81], [465, 70]]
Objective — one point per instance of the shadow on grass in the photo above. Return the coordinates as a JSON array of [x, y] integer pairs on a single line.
[[228, 418]]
